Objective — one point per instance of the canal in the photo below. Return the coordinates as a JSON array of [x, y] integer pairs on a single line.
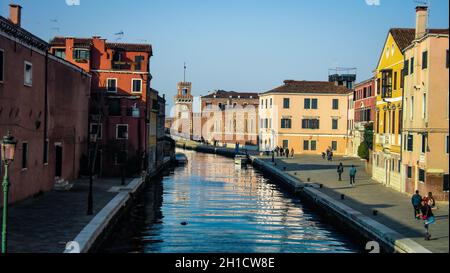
[[212, 206]]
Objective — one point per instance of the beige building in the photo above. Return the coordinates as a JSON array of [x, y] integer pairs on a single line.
[[307, 116], [425, 156]]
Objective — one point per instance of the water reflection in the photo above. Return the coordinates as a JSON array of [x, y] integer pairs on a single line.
[[227, 209]]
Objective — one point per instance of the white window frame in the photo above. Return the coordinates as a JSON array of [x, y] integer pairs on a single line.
[[24, 74], [117, 131], [3, 68], [132, 85], [101, 129], [107, 85]]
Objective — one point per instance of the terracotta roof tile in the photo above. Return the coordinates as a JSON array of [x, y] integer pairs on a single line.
[[226, 94], [306, 87], [87, 42]]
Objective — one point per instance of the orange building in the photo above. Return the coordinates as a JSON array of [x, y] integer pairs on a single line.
[[119, 97]]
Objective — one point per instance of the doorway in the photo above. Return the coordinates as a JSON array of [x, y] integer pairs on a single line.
[[58, 160]]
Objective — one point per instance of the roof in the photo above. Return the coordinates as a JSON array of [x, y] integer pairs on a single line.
[[308, 87], [21, 34], [87, 42], [235, 95], [405, 36]]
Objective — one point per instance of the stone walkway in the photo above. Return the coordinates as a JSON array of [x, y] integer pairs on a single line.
[[395, 209], [46, 223]]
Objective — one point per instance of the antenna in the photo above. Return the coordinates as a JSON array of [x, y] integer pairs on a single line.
[[55, 25], [184, 77], [119, 35]]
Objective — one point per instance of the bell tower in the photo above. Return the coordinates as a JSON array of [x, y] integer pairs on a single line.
[[184, 108]]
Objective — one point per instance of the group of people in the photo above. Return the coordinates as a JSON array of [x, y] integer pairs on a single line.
[[423, 210], [353, 171], [328, 155], [284, 152]]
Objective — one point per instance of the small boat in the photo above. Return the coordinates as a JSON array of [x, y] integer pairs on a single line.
[[240, 160], [181, 159]]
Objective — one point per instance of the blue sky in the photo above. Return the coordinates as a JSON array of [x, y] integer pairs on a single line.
[[245, 45]]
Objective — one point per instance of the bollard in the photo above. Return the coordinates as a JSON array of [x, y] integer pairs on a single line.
[[321, 186], [375, 213], [342, 196], [309, 179], [284, 168]]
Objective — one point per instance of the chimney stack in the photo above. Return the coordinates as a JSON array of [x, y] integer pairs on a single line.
[[421, 21], [15, 14]]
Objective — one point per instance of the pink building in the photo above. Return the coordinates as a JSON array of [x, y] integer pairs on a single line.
[[44, 104], [365, 102]]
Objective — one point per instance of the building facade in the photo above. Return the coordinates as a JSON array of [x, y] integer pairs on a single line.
[[44, 105], [388, 125], [119, 98], [307, 116], [365, 104], [230, 117], [352, 147], [425, 155], [183, 121]]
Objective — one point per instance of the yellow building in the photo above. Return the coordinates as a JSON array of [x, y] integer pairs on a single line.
[[388, 122], [307, 116]]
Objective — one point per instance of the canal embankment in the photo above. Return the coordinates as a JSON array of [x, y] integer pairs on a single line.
[[370, 211], [94, 233]]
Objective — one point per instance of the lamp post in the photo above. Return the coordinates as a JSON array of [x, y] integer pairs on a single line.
[[125, 135], [8, 148], [91, 166]]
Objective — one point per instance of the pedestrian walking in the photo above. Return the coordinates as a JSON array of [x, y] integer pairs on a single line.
[[324, 155], [416, 201], [431, 201], [428, 218], [292, 153], [273, 156], [287, 152], [340, 171], [353, 172]]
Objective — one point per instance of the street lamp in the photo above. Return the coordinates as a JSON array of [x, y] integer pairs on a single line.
[[125, 136], [8, 148]]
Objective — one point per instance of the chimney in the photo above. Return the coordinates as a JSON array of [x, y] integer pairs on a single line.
[[421, 21], [15, 14]]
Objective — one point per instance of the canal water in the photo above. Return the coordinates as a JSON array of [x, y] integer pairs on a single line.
[[212, 206]]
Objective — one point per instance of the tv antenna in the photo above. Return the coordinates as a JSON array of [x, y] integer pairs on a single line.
[[184, 76], [119, 35], [55, 26]]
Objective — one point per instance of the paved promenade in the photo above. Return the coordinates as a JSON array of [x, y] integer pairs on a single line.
[[395, 209], [46, 223]]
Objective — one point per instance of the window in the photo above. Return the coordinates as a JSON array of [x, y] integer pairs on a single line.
[[28, 74], [447, 59], [393, 121], [285, 144], [114, 107], [384, 122], [412, 65], [410, 143], [96, 129], [446, 186], [24, 155], [386, 82], [395, 80], [60, 52], [425, 60], [2, 65], [138, 63], [271, 103], [307, 103], [111, 85], [447, 144], [409, 172], [46, 148], [421, 176], [424, 144], [310, 124], [400, 121], [137, 86], [305, 145], [286, 103], [315, 104], [81, 55], [313, 145], [122, 131], [406, 68], [378, 87], [286, 123], [335, 124], [424, 106], [334, 145], [335, 104]]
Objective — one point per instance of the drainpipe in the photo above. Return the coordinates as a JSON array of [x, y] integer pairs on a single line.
[[403, 125]]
